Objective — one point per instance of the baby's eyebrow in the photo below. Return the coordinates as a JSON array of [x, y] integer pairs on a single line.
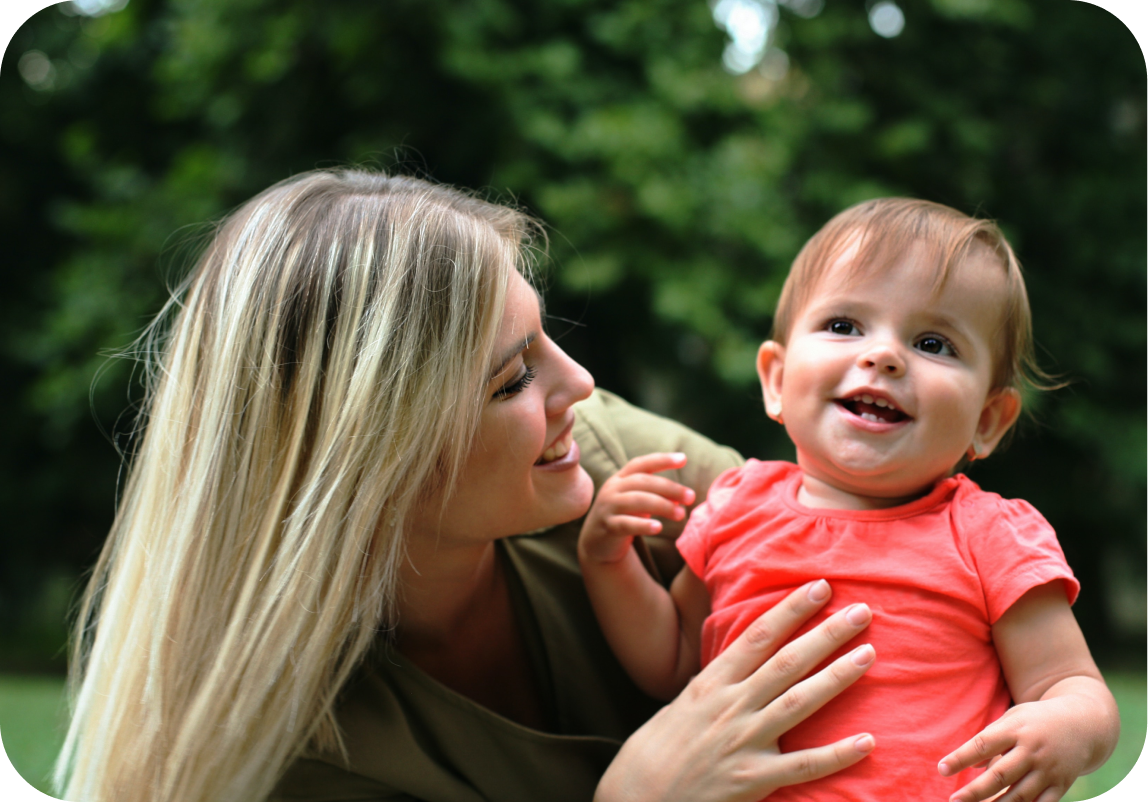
[[941, 319]]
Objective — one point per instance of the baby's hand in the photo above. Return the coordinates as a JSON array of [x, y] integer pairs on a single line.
[[627, 502], [1032, 750]]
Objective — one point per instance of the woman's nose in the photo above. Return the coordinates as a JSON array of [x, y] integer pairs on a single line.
[[884, 357], [573, 383]]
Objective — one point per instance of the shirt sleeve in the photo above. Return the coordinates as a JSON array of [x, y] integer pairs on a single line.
[[694, 543], [1013, 548]]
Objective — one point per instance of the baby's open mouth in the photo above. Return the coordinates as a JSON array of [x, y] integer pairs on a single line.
[[872, 408]]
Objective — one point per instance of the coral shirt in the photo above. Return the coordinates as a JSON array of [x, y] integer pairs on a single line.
[[937, 573]]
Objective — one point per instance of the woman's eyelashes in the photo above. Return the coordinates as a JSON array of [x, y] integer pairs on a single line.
[[516, 385]]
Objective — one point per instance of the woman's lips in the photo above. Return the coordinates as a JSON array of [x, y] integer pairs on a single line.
[[562, 453], [562, 463]]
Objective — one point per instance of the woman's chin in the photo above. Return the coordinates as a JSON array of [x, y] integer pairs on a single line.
[[570, 501]]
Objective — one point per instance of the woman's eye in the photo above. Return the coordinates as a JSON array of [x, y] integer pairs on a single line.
[[843, 327], [517, 385], [936, 345]]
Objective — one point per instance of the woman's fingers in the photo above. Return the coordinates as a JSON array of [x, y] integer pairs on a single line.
[[798, 657], [764, 636], [813, 764], [805, 698]]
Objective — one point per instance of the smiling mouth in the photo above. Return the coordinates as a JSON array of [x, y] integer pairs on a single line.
[[559, 449], [871, 408]]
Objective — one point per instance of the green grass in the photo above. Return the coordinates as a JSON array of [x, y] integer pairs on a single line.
[[1129, 689], [32, 720]]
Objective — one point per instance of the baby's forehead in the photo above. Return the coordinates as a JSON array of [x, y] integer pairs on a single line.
[[852, 265]]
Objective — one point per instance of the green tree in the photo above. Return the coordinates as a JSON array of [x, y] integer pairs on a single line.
[[677, 195]]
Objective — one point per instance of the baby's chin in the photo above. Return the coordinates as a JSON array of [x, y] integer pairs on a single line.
[[873, 486]]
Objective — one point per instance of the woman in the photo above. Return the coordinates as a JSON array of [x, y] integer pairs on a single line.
[[310, 590]]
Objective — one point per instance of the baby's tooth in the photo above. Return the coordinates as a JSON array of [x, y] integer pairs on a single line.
[[881, 402], [560, 449], [867, 399], [548, 455]]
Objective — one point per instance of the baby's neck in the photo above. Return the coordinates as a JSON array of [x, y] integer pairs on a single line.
[[819, 494]]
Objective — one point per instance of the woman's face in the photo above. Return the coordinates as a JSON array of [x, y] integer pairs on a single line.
[[522, 472]]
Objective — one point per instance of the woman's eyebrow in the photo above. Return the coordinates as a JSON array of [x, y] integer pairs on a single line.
[[510, 354]]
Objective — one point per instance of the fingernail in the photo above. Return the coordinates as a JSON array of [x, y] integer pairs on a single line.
[[679, 512], [655, 526], [863, 655], [678, 456], [943, 767], [691, 496], [819, 591], [858, 614], [864, 744]]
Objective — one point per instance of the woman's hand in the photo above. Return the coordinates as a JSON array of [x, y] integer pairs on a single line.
[[718, 741]]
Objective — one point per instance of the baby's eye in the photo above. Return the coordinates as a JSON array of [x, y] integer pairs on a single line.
[[936, 345], [842, 327]]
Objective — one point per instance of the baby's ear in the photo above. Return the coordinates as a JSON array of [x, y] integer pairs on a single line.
[[999, 414], [770, 365]]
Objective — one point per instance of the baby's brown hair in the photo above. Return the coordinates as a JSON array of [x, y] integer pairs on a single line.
[[883, 230]]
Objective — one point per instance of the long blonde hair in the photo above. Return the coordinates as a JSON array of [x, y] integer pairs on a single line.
[[321, 367]]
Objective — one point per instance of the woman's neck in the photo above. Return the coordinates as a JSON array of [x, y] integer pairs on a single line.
[[457, 623], [443, 588]]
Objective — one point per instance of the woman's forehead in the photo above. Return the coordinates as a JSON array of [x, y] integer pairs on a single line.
[[521, 322]]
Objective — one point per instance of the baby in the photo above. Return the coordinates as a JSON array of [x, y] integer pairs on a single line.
[[901, 339]]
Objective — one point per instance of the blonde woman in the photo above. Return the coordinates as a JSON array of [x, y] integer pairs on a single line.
[[317, 585]]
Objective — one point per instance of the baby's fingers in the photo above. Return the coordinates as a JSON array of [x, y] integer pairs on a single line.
[[985, 745], [644, 505], [633, 526], [653, 463], [999, 775], [658, 485]]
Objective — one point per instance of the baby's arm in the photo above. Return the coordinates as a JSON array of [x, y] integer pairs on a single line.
[[653, 632], [1065, 722]]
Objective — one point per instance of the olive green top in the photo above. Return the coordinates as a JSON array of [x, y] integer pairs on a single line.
[[412, 738]]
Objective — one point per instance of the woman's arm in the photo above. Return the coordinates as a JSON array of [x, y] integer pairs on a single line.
[[718, 741], [1065, 722]]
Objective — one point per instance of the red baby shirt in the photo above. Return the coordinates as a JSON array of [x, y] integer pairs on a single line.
[[937, 573]]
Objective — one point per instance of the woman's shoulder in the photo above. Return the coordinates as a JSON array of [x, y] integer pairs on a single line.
[[611, 431], [311, 780]]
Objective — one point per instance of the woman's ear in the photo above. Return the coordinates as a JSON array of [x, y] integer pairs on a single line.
[[999, 414], [770, 365]]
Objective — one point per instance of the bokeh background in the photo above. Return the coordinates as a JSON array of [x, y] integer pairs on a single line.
[[680, 151]]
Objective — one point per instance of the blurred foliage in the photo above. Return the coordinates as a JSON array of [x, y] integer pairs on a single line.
[[677, 194]]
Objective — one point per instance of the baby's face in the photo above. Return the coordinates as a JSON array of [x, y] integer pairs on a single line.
[[884, 382]]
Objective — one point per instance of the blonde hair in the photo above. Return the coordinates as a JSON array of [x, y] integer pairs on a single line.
[[883, 230], [322, 366]]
